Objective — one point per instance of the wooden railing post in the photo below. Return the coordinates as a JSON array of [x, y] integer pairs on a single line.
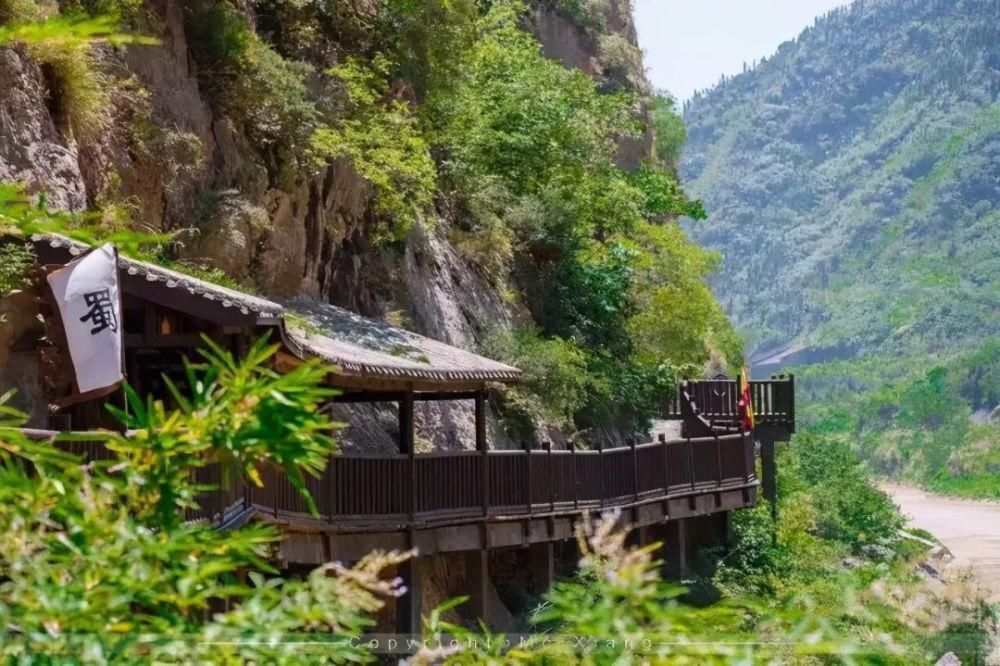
[[600, 466], [690, 461], [331, 489], [576, 479], [666, 464], [527, 466], [635, 470], [482, 445], [548, 458], [718, 461]]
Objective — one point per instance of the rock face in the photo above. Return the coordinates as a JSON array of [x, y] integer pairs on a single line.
[[32, 150], [175, 160]]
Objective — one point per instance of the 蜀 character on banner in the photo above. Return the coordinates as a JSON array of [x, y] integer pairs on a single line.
[[86, 292]]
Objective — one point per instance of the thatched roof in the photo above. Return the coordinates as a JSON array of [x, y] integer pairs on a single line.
[[367, 348], [361, 347]]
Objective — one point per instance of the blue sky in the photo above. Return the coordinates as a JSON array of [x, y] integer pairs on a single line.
[[690, 43]]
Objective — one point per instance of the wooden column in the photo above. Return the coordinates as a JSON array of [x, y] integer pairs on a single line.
[[769, 470], [483, 446], [406, 447], [408, 606], [477, 577], [406, 424], [674, 549], [541, 566]]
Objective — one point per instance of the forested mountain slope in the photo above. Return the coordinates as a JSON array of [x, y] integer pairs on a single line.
[[852, 181]]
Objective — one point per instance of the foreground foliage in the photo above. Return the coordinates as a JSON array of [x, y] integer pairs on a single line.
[[99, 564], [835, 580]]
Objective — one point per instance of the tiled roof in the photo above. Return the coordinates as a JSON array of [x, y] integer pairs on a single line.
[[225, 297], [361, 347], [364, 347]]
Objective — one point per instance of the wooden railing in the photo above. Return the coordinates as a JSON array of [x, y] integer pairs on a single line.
[[453, 486], [465, 486], [449, 486], [717, 400]]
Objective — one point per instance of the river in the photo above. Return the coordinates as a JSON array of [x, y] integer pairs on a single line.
[[969, 529]]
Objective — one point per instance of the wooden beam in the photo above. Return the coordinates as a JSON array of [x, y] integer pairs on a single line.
[[675, 549], [477, 578], [409, 606], [541, 566], [351, 396]]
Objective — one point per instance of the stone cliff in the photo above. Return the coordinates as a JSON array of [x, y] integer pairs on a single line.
[[177, 164]]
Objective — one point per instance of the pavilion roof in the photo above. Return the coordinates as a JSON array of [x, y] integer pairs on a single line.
[[362, 348], [365, 347]]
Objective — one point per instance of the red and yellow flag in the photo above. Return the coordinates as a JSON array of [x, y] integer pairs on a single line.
[[746, 401]]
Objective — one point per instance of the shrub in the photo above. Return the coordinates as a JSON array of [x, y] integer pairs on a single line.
[[555, 384], [622, 61], [77, 88], [380, 137], [854, 511], [588, 14], [15, 258], [254, 85], [485, 237]]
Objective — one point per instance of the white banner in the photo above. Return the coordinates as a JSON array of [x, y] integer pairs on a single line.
[[86, 293]]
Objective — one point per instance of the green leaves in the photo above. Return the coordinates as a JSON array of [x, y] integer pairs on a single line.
[[381, 139], [100, 563], [238, 414]]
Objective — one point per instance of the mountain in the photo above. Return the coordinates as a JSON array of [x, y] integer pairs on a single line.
[[852, 182]]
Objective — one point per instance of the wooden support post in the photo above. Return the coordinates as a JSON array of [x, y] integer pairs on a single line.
[[725, 529], [675, 549], [769, 470], [477, 577], [406, 436], [791, 402], [483, 446], [541, 566], [408, 606]]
